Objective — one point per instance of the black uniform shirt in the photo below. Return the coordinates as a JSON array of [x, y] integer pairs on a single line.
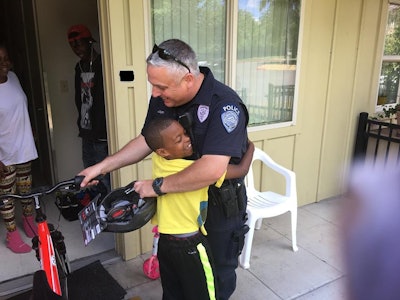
[[219, 118]]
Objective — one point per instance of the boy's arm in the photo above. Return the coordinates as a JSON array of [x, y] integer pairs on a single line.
[[240, 170]]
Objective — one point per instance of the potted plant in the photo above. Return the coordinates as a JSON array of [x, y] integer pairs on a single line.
[[392, 111]]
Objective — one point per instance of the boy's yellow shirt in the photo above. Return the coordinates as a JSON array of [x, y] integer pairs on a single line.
[[179, 213]]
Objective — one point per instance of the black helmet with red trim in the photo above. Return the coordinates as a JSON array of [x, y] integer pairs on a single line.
[[123, 210]]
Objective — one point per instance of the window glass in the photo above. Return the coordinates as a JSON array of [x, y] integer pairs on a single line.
[[267, 56], [388, 92], [201, 24], [267, 40]]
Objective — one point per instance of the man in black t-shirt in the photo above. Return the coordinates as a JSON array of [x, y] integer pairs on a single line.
[[89, 98]]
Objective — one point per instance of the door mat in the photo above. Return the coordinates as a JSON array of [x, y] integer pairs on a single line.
[[89, 282], [24, 296], [95, 283]]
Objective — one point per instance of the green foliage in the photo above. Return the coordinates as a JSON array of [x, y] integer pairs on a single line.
[[391, 70], [392, 41], [273, 34], [391, 110]]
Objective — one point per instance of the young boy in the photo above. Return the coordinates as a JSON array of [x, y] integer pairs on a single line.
[[186, 265]]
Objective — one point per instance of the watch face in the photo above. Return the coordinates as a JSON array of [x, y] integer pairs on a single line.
[[157, 183]]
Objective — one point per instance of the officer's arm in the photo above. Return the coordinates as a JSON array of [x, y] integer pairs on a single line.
[[131, 153], [203, 172]]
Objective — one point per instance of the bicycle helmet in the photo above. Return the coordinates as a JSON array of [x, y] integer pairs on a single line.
[[123, 210]]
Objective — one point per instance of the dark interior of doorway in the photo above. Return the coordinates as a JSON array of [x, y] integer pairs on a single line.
[[18, 31]]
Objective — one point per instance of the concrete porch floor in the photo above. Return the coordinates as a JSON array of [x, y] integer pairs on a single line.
[[315, 271]]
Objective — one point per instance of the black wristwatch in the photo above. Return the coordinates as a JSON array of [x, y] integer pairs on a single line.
[[157, 183]]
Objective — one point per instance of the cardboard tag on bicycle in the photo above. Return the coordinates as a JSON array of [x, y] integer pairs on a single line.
[[90, 224]]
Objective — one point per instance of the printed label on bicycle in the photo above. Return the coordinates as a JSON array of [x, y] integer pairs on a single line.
[[90, 225]]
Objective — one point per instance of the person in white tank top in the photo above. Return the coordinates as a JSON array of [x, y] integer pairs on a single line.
[[17, 150]]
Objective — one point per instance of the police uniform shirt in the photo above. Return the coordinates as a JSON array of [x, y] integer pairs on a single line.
[[219, 118]]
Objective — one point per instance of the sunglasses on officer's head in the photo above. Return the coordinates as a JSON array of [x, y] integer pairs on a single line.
[[166, 55]]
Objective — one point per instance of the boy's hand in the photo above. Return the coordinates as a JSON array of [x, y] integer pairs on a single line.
[[144, 188]]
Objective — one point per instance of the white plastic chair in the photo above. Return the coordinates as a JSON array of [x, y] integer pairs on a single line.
[[267, 204]]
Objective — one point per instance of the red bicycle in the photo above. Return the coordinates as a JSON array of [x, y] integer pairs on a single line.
[[49, 243], [121, 210]]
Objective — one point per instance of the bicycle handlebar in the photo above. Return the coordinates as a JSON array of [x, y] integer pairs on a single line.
[[41, 191]]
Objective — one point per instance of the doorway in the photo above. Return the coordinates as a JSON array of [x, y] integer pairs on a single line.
[[18, 31], [35, 31]]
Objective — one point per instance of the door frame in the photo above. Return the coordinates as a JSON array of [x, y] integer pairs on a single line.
[[124, 43]]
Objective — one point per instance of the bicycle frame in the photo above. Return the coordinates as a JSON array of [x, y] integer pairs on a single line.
[[47, 253], [46, 250]]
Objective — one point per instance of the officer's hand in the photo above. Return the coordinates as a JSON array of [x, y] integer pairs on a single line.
[[91, 174]]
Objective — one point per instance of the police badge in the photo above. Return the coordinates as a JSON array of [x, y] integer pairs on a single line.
[[202, 112]]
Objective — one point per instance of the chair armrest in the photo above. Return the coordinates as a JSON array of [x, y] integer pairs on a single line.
[[290, 176]]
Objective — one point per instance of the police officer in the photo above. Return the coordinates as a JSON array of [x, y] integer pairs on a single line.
[[216, 120]]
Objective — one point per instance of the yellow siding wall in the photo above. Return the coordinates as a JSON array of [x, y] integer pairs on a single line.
[[351, 80]]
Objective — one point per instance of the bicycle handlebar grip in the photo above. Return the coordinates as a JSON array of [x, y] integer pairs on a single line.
[[79, 179]]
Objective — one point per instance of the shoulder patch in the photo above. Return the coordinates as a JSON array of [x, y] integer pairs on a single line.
[[230, 117]]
